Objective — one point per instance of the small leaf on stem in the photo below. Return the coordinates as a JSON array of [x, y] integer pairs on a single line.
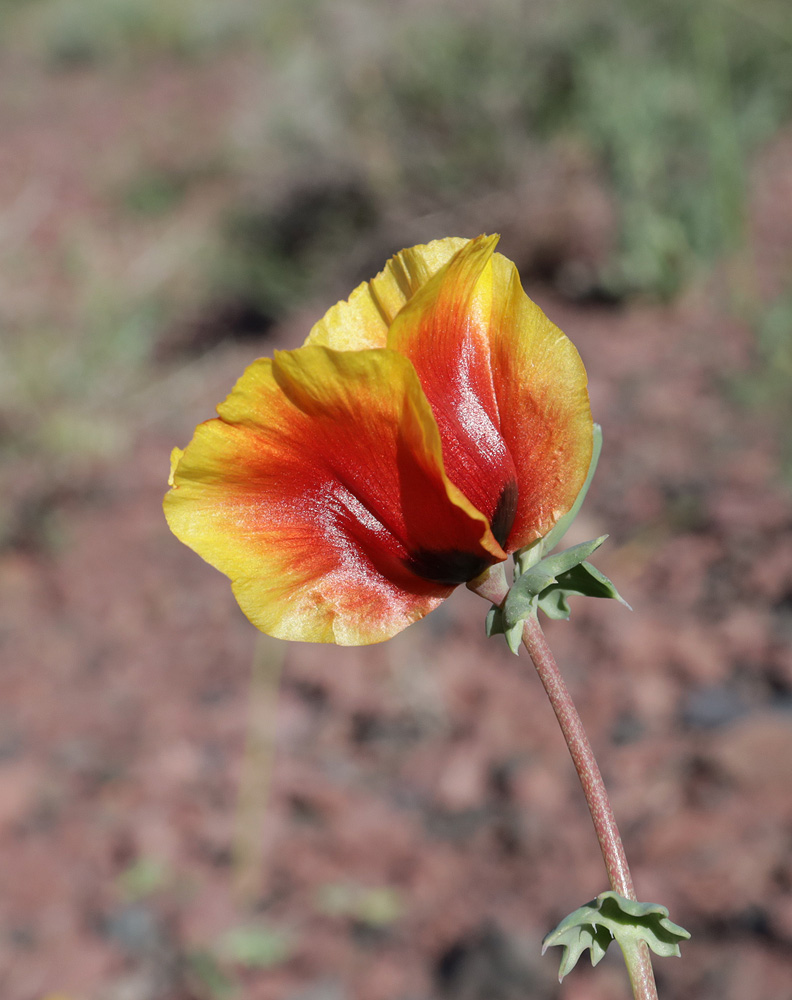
[[525, 591], [610, 916], [584, 580]]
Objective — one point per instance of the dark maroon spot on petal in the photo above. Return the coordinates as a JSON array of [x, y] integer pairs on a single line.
[[454, 566], [505, 510], [449, 567]]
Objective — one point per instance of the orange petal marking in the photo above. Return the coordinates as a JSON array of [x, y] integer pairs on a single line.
[[507, 388], [321, 493]]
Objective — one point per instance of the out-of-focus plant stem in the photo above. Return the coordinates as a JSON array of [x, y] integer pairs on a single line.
[[254, 784]]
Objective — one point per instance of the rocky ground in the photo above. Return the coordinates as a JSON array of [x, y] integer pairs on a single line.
[[190, 812]]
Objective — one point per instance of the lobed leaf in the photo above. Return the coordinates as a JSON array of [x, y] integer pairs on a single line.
[[610, 916]]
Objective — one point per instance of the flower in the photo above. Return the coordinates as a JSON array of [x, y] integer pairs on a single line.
[[430, 425]]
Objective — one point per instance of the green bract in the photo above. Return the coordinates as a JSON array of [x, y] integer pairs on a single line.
[[608, 917], [547, 581]]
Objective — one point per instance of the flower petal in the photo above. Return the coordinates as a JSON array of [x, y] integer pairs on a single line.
[[321, 493], [541, 388], [362, 321], [175, 458], [440, 331], [507, 388]]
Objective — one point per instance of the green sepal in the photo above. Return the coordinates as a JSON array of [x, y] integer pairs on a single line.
[[584, 580], [493, 623], [525, 592], [495, 626], [610, 916], [548, 581]]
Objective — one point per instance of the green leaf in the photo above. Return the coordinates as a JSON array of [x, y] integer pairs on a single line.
[[547, 581], [586, 936], [569, 558], [494, 625], [583, 580], [522, 598], [514, 637], [612, 917]]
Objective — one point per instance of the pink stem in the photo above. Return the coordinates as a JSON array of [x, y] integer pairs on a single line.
[[583, 758], [493, 587]]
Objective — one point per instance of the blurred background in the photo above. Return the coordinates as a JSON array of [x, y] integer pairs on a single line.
[[189, 811]]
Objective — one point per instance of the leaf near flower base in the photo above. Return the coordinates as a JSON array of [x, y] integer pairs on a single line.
[[548, 585], [526, 591], [548, 581], [495, 625], [610, 916], [584, 580]]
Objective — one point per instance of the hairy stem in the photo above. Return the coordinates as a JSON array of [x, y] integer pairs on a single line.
[[493, 587], [583, 758], [639, 963]]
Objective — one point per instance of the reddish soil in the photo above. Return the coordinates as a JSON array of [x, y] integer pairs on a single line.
[[429, 766]]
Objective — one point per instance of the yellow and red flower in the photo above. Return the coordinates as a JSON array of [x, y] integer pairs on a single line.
[[429, 426]]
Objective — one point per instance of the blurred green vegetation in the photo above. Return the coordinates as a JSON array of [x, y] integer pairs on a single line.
[[213, 972], [434, 104], [144, 877], [256, 945], [766, 386], [373, 907], [350, 115], [669, 96], [431, 108], [73, 32], [275, 256]]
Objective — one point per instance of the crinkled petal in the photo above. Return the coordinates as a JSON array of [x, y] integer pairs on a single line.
[[320, 491], [507, 388], [362, 321]]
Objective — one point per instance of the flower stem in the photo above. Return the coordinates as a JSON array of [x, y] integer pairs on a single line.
[[639, 963], [583, 758], [493, 587]]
